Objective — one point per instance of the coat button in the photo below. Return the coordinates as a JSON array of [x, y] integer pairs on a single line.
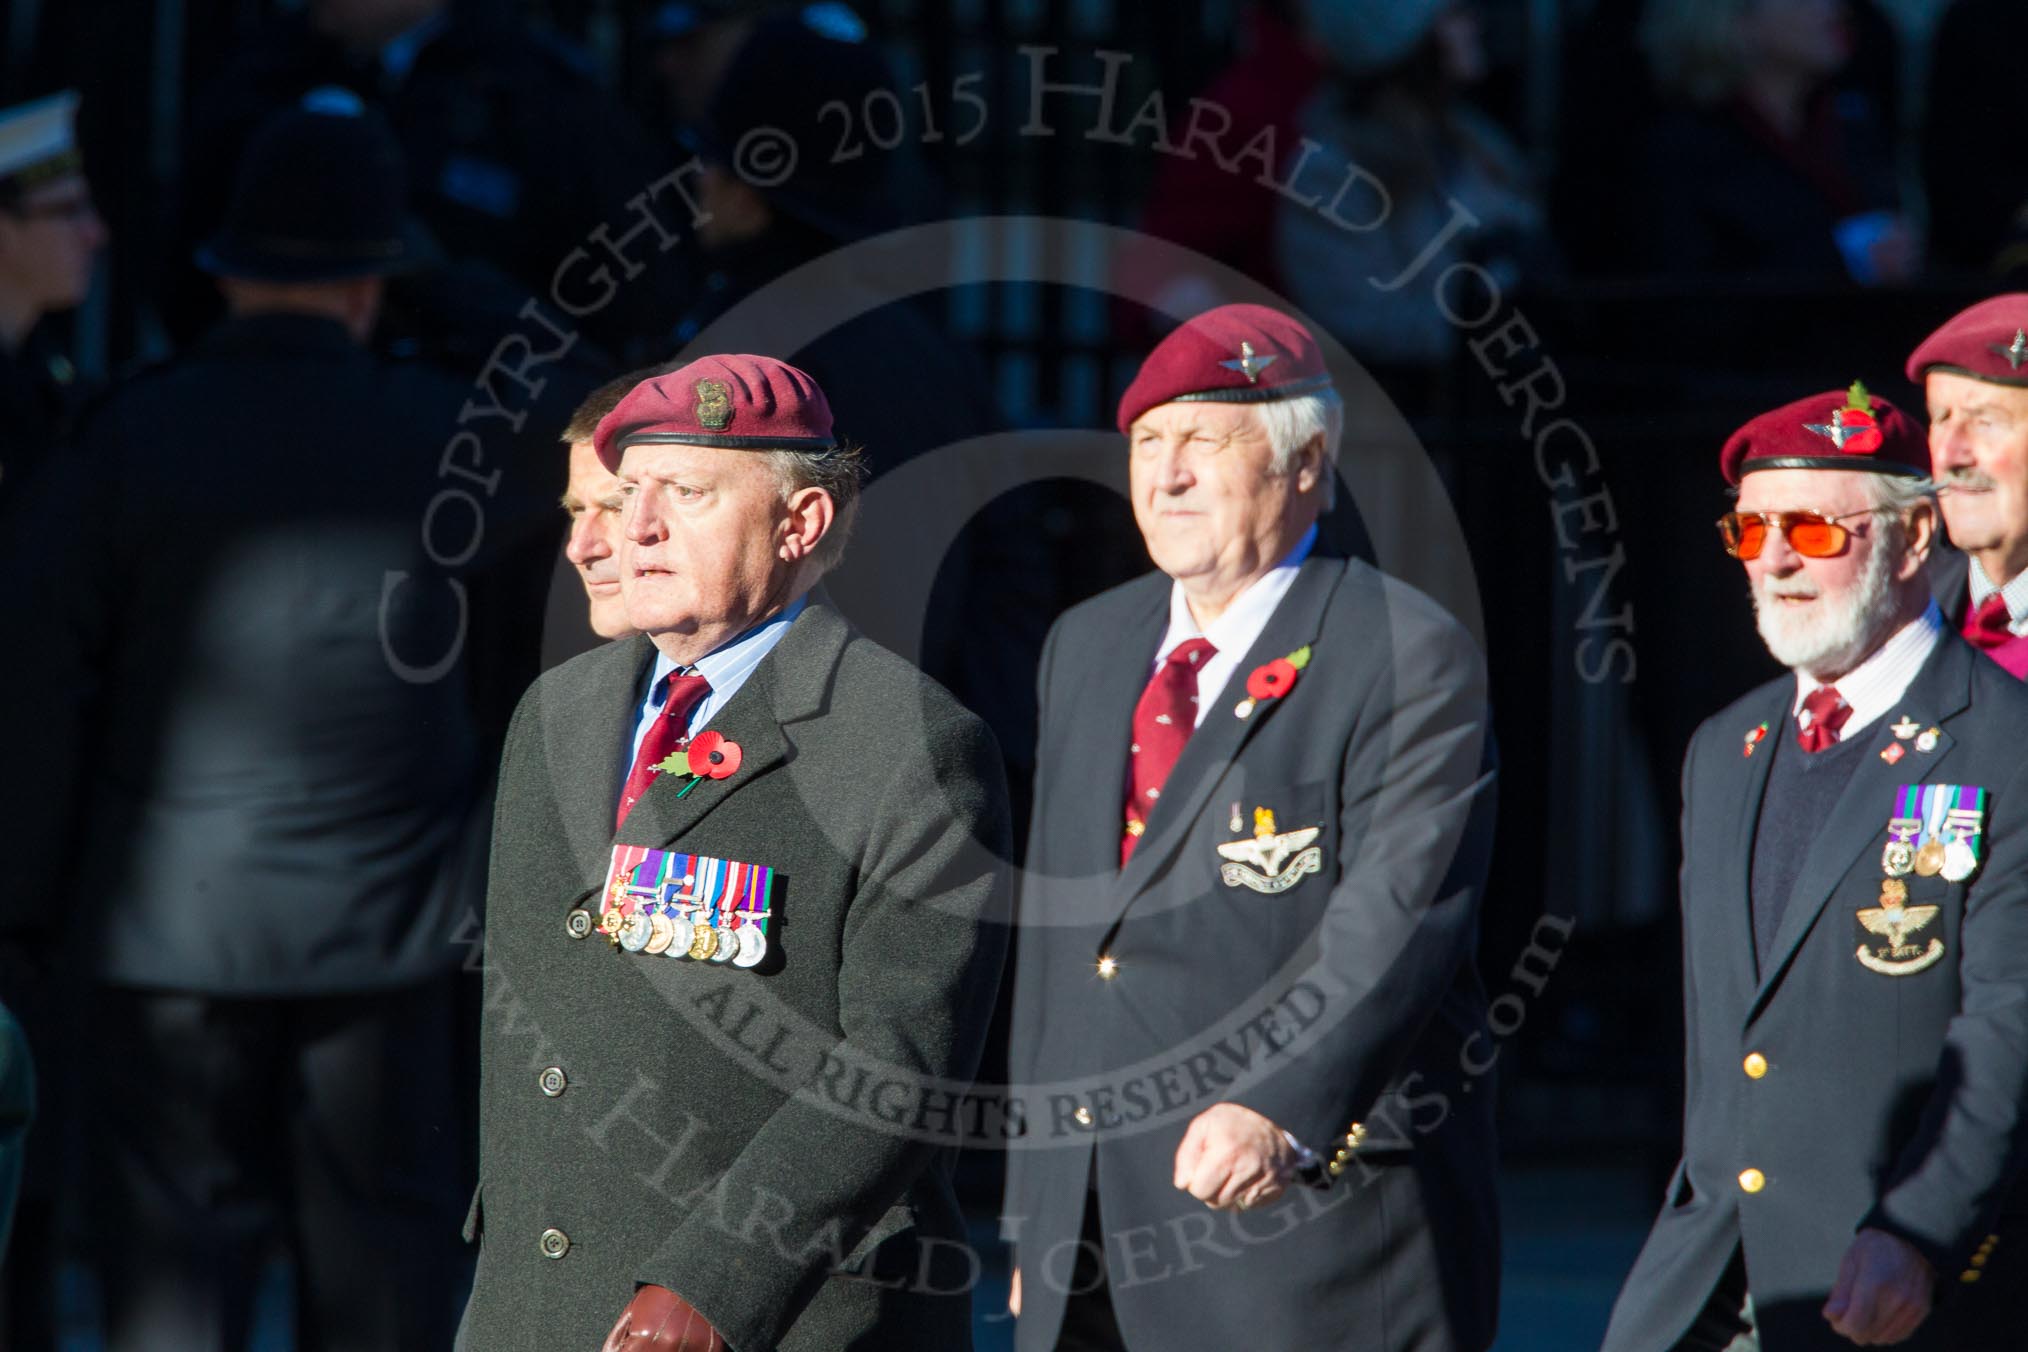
[[1082, 1116], [553, 1081], [1108, 967], [1969, 1275], [1755, 1065], [555, 1243], [1751, 1180], [578, 923]]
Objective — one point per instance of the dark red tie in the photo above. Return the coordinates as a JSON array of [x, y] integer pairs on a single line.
[[668, 733], [1163, 721], [1986, 627], [1824, 711]]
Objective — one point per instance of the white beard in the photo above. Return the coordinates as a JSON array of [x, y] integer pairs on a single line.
[[1830, 637]]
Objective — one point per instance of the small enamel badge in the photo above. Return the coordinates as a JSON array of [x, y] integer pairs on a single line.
[[1272, 861], [1892, 752], [2015, 352], [1248, 364], [1905, 729], [1852, 428], [1927, 741], [1754, 739]]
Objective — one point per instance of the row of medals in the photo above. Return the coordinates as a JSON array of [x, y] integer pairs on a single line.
[[676, 936], [1932, 857]]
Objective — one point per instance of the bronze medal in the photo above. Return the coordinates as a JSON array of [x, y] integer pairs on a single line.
[[1893, 892], [660, 933], [1929, 860], [704, 942]]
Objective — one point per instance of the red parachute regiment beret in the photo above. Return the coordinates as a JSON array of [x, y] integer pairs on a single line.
[[1989, 341], [1844, 429], [738, 401], [1235, 354]]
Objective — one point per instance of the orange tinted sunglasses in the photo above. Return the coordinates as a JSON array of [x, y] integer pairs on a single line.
[[1810, 534]]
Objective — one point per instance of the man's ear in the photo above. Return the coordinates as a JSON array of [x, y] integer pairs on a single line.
[[1922, 534], [1311, 465], [807, 519]]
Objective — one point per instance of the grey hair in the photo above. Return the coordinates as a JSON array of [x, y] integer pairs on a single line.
[[839, 473], [1291, 424]]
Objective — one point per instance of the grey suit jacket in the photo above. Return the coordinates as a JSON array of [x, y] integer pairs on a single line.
[[1320, 998], [1891, 1099], [741, 1135]]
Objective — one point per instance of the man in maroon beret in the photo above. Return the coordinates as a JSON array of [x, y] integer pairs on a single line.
[[1262, 819], [1974, 374], [739, 858], [1855, 904]]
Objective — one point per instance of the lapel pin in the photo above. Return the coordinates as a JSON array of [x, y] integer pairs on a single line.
[[1928, 740], [1905, 729], [1892, 752], [1753, 739]]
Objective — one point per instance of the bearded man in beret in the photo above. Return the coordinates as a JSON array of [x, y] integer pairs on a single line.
[[1972, 375], [1246, 1016], [742, 946], [1855, 908]]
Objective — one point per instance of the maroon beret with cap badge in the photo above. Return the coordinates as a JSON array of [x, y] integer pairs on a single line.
[[1235, 354], [741, 402], [1988, 341], [1844, 429]]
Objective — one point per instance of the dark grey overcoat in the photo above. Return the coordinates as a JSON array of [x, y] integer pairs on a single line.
[[772, 1143]]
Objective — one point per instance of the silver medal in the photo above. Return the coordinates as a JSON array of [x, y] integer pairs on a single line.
[[753, 946]]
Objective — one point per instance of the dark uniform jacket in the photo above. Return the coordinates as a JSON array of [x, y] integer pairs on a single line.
[[241, 752], [1332, 990], [737, 1134], [1861, 1097]]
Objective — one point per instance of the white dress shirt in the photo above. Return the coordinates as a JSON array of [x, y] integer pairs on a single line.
[[2015, 593], [1233, 632], [1874, 686]]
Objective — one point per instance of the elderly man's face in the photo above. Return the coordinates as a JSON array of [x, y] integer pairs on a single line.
[[1978, 449], [1824, 615], [704, 534], [1210, 504], [594, 499]]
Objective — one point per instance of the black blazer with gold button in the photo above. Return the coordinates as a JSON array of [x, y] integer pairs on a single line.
[[1886, 1087], [1316, 967], [774, 1142]]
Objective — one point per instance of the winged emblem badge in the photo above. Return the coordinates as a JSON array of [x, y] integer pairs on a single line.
[[1270, 861]]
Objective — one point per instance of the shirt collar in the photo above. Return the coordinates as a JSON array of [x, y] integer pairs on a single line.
[[1235, 630], [2015, 592], [1873, 686], [732, 661]]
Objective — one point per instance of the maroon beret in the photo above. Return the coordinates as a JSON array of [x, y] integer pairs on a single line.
[[1844, 429], [1236, 354], [1989, 341], [738, 401]]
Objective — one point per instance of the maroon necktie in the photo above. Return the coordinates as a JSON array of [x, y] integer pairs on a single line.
[[1163, 721], [1986, 627], [667, 734], [1824, 711]]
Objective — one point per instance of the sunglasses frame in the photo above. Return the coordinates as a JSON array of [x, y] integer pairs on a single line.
[[1782, 521]]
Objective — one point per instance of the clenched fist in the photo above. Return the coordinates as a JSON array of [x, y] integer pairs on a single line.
[[659, 1320]]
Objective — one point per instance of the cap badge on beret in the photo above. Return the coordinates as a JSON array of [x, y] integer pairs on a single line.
[[1248, 364], [1852, 428], [714, 405], [2015, 352]]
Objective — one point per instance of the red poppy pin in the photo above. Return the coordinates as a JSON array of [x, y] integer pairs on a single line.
[[1753, 739], [709, 756], [1853, 428], [1272, 680]]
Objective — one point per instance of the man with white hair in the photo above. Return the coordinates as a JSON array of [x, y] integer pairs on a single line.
[[1263, 811], [1855, 904], [1972, 378]]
